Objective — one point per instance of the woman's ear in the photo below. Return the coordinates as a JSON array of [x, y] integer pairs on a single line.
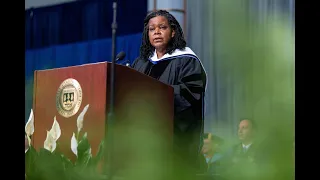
[[173, 33]]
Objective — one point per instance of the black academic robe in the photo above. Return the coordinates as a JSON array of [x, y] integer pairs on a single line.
[[185, 73]]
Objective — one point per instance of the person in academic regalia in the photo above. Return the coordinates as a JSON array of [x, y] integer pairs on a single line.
[[165, 57]]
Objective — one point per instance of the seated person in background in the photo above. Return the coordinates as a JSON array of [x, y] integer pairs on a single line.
[[246, 148], [239, 161], [243, 159], [212, 149]]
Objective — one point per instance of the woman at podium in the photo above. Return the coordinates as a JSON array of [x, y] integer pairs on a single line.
[[165, 57]]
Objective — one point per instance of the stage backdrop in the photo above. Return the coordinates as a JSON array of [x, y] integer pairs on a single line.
[[209, 24], [79, 32]]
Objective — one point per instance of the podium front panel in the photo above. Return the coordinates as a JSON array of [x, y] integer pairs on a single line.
[[47, 84]]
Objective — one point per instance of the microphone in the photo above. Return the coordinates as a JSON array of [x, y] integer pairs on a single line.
[[120, 56]]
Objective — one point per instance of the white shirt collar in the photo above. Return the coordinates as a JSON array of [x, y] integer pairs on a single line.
[[246, 147], [177, 52]]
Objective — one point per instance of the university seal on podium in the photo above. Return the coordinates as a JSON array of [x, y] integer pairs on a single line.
[[69, 98]]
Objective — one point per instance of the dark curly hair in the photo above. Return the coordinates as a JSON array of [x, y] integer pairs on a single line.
[[177, 42]]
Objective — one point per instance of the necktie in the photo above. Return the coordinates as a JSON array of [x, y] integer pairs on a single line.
[[245, 149]]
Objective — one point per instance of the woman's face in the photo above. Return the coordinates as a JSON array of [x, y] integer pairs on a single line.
[[160, 32]]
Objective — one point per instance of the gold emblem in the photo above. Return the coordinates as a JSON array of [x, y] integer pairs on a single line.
[[69, 98]]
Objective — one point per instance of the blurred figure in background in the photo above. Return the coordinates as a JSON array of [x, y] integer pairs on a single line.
[[245, 151], [165, 57], [212, 150], [246, 132], [241, 161]]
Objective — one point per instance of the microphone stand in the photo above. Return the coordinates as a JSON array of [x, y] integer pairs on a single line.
[[111, 116]]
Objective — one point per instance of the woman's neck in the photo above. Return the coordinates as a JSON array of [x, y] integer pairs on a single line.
[[160, 53]]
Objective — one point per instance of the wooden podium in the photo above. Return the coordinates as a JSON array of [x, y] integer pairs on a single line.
[[143, 108]]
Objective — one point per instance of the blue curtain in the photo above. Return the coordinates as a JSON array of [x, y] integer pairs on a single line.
[[80, 53], [82, 20]]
